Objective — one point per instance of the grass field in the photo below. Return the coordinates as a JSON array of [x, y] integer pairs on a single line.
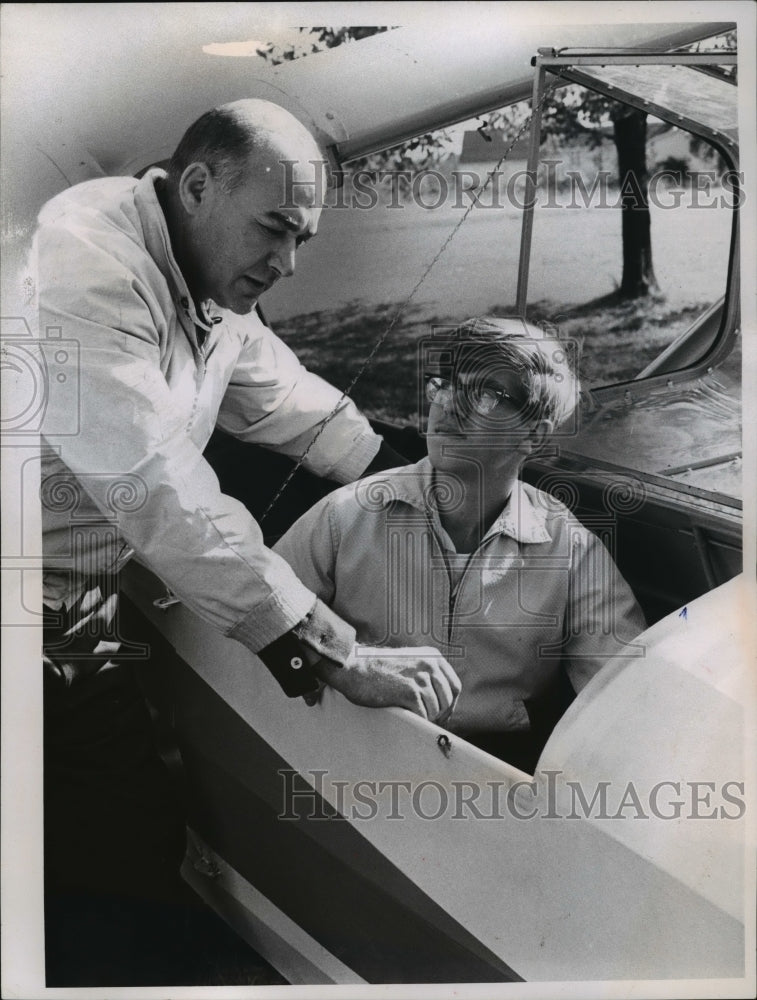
[[614, 342], [364, 266]]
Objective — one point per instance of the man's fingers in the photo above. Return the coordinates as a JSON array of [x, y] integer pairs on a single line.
[[419, 679], [420, 695], [456, 685], [411, 698], [447, 684], [427, 688], [433, 656], [444, 695]]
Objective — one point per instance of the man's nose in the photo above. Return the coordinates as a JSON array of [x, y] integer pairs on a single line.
[[446, 401], [446, 398], [281, 260]]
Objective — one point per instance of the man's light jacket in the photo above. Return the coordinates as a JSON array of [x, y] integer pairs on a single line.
[[137, 381]]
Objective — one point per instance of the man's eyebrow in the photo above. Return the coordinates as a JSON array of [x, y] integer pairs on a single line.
[[289, 223], [491, 383]]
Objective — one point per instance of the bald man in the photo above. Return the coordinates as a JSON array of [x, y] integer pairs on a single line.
[[155, 282]]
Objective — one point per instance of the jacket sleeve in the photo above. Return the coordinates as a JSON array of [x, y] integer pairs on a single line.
[[204, 545], [310, 548], [293, 411], [602, 616]]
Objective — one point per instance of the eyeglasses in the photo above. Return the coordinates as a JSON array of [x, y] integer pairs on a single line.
[[480, 399]]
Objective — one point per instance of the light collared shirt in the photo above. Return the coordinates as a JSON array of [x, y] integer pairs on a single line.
[[138, 380], [541, 593]]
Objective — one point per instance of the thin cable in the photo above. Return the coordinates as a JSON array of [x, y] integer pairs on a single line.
[[377, 346]]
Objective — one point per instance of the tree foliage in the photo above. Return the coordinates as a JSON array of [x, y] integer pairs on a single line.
[[574, 113], [570, 114], [317, 39]]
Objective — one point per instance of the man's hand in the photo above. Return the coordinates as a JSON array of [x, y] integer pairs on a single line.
[[418, 678]]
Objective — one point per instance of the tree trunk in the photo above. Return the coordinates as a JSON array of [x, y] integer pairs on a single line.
[[630, 135]]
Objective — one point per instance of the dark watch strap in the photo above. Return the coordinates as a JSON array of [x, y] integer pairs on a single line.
[[291, 661]]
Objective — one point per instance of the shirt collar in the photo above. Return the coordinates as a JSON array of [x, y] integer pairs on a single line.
[[158, 244], [522, 518]]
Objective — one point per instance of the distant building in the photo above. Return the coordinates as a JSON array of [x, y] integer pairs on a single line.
[[481, 152], [490, 146]]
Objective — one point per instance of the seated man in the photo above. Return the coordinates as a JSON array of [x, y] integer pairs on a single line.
[[457, 552]]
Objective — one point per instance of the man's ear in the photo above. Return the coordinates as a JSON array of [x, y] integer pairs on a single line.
[[539, 435], [195, 187]]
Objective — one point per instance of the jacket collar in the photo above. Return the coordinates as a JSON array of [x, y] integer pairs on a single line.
[[158, 243], [522, 517]]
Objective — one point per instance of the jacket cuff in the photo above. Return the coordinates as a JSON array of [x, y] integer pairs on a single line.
[[272, 618], [292, 657], [353, 461], [328, 634], [291, 661]]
